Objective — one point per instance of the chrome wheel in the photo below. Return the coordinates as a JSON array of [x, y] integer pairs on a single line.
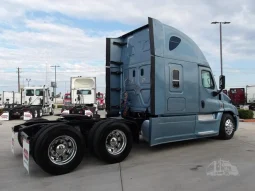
[[229, 127], [116, 142], [62, 150]]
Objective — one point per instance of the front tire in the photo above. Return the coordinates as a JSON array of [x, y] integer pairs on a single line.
[[113, 142], [227, 127], [59, 149]]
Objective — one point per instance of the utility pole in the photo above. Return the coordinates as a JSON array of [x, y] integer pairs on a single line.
[[18, 79], [46, 77], [28, 80], [216, 22], [55, 87]]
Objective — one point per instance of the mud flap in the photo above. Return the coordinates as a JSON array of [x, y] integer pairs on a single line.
[[65, 112], [26, 154], [88, 113], [27, 116], [5, 116]]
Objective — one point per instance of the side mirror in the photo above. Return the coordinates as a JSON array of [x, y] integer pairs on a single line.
[[52, 94], [222, 82]]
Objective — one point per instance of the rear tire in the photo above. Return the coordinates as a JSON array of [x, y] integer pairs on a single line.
[[227, 127], [113, 142], [92, 134], [35, 114], [62, 140], [35, 139], [39, 113], [52, 111]]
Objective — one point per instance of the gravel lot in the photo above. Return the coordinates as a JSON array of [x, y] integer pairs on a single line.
[[170, 167]]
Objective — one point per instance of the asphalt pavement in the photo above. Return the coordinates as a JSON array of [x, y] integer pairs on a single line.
[[199, 165]]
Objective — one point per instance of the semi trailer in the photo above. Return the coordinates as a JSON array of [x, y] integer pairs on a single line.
[[82, 96], [34, 103], [237, 96], [159, 86]]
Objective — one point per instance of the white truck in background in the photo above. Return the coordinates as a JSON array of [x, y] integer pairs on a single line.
[[32, 102], [83, 97]]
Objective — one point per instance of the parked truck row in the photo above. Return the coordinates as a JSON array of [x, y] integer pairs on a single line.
[[158, 85]]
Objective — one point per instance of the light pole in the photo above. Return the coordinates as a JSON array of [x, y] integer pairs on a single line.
[[55, 87], [28, 80], [216, 22]]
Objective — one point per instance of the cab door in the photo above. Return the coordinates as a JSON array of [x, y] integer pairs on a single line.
[[208, 119], [208, 102]]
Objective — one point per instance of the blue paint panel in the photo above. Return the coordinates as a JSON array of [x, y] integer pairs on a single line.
[[136, 57], [160, 88], [187, 50], [188, 91], [174, 128], [209, 125], [176, 104]]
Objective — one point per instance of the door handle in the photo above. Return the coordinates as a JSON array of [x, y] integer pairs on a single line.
[[203, 103]]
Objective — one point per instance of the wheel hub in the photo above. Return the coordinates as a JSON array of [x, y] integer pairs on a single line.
[[116, 142], [229, 127], [113, 141], [61, 149]]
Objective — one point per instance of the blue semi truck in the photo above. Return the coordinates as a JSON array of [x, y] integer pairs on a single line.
[[158, 85]]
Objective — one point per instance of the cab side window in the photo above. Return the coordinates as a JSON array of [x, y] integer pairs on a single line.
[[176, 79], [207, 80]]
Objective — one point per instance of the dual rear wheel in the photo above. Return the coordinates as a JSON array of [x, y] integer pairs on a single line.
[[59, 148]]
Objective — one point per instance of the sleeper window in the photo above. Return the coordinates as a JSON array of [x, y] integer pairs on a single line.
[[207, 80], [174, 42], [142, 72], [176, 78]]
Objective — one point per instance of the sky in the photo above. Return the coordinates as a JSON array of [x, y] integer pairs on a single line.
[[36, 34]]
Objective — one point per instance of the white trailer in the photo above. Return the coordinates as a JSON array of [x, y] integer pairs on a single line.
[[250, 92]]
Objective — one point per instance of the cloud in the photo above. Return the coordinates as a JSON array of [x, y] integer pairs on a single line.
[[30, 43], [77, 51]]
